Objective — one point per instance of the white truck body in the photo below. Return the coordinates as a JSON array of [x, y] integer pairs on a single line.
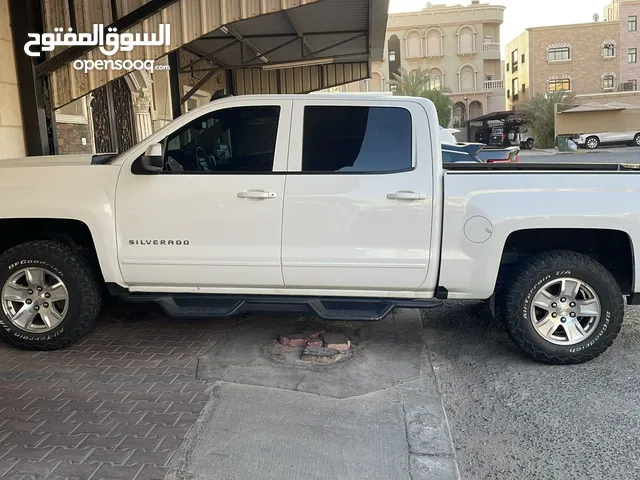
[[409, 234]]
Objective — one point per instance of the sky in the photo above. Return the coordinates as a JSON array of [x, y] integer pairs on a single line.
[[521, 14]]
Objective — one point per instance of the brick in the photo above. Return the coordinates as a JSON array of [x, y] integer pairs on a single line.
[[320, 355], [132, 429], [79, 416], [143, 396], [179, 431], [94, 428], [27, 467], [68, 454], [14, 392], [20, 426], [164, 418], [336, 341], [193, 408], [101, 441], [293, 340], [117, 407], [159, 459], [19, 452], [26, 439], [102, 455], [113, 472], [133, 442], [153, 407], [48, 404], [129, 418], [73, 471], [151, 472], [315, 343], [60, 440], [44, 415], [83, 406], [63, 428]]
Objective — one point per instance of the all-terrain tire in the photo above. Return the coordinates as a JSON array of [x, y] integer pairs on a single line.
[[85, 298], [527, 280]]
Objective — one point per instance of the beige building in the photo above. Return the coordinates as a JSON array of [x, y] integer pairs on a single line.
[[580, 58], [11, 130], [460, 48], [627, 12]]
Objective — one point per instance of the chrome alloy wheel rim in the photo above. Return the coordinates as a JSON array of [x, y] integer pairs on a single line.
[[35, 300], [592, 143], [565, 311]]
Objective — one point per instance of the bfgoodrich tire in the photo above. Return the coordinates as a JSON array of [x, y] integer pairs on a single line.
[[49, 296], [562, 308]]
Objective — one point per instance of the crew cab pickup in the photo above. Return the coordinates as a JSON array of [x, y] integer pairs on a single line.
[[335, 204]]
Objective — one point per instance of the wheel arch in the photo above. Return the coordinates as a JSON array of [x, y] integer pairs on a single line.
[[72, 232], [612, 248]]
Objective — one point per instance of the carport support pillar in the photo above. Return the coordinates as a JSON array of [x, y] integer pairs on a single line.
[[174, 83]]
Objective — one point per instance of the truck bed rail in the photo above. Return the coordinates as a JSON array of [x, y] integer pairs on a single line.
[[543, 166]]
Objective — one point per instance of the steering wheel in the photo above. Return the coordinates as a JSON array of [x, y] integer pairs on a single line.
[[204, 161]]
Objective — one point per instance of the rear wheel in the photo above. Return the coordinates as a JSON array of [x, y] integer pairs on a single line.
[[530, 143], [49, 295], [592, 143], [636, 140], [562, 308]]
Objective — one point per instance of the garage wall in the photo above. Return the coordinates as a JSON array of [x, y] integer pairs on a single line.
[[11, 130], [594, 122]]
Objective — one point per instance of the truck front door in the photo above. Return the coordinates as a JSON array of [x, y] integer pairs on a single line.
[[358, 202], [213, 217]]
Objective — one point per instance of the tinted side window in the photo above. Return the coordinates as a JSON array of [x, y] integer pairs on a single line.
[[235, 140], [356, 140]]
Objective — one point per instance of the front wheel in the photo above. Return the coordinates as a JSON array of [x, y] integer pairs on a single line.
[[530, 144], [49, 295], [562, 308], [636, 140]]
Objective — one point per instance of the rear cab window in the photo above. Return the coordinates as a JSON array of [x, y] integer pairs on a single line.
[[356, 139]]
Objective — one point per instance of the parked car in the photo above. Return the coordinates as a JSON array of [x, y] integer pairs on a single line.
[[499, 155], [336, 205], [526, 139], [592, 141], [478, 153], [461, 152]]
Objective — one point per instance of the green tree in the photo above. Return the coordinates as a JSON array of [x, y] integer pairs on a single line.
[[410, 84], [539, 115], [417, 84], [443, 105]]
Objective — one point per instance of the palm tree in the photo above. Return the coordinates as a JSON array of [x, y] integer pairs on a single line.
[[411, 84], [540, 115]]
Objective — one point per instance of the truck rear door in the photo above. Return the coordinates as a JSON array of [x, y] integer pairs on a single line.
[[358, 202]]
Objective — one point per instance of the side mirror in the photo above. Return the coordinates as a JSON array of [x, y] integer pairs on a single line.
[[153, 159]]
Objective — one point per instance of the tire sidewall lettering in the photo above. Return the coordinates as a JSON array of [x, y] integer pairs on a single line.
[[40, 263]]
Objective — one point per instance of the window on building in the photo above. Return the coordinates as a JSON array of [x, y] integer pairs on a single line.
[[74, 112], [560, 84], [608, 82], [633, 23], [609, 50], [558, 54], [633, 55], [356, 139], [524, 88], [634, 85], [522, 58], [515, 88], [508, 93], [514, 61], [435, 80], [234, 140], [507, 66], [392, 56]]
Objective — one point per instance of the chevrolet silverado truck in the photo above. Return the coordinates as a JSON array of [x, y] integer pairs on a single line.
[[339, 205]]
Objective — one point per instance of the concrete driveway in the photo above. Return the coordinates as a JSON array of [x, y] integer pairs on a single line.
[[514, 419], [145, 397]]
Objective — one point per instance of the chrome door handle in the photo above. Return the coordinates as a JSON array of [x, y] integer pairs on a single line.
[[257, 194], [406, 196]]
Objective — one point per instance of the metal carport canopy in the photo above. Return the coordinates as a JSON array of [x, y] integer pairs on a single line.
[[273, 46]]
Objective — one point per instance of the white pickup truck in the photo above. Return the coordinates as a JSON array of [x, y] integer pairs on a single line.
[[340, 205]]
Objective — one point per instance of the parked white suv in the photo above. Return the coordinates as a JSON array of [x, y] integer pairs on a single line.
[[338, 205], [594, 140]]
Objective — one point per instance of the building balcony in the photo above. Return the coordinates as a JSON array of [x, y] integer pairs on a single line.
[[494, 84], [491, 50]]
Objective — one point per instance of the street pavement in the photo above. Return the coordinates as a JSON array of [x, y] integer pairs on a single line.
[[512, 418], [601, 155], [146, 397]]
